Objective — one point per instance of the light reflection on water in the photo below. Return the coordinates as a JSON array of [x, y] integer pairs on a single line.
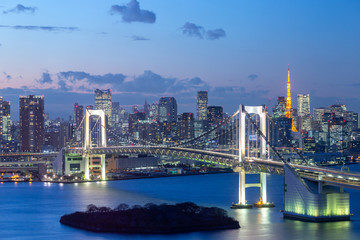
[[35, 209]]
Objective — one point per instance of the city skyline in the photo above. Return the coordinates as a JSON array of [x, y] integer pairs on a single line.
[[237, 51]]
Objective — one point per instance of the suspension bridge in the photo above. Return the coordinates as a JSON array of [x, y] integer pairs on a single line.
[[311, 192]]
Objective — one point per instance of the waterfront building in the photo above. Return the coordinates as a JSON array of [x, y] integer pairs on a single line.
[[167, 109], [31, 123], [103, 102], [201, 105], [6, 121]]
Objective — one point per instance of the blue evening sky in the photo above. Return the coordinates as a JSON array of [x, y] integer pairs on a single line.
[[144, 49]]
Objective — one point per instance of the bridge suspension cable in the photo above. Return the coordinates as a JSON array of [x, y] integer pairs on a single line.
[[293, 147], [263, 136], [206, 133]]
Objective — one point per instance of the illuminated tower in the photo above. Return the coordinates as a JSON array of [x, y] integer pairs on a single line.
[[288, 97], [288, 109]]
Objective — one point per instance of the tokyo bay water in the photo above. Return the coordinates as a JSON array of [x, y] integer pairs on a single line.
[[33, 210]]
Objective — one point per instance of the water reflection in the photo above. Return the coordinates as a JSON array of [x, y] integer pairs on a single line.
[[34, 209]]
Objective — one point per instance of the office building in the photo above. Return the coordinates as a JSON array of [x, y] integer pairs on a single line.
[[279, 109], [103, 102], [31, 110], [6, 121], [215, 115], [186, 126], [78, 114], [303, 112], [167, 109], [201, 105]]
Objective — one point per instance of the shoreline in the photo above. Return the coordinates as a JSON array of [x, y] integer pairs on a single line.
[[118, 179]]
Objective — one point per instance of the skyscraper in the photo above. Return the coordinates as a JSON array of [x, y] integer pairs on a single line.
[[303, 108], [303, 104], [103, 102], [167, 109], [31, 123], [201, 105], [146, 109], [6, 122], [78, 114], [279, 109], [186, 125], [215, 114]]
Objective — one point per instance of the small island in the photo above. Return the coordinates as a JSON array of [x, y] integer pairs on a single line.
[[151, 218]]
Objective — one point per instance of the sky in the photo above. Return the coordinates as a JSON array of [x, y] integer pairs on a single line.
[[237, 50]]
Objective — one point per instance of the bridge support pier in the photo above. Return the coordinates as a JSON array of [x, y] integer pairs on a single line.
[[262, 203], [313, 200], [86, 158], [103, 162]]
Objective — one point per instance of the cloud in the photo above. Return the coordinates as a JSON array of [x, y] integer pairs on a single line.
[[45, 78], [139, 38], [215, 34], [131, 12], [92, 79], [252, 77], [21, 9], [193, 30], [40, 28], [148, 82], [63, 89]]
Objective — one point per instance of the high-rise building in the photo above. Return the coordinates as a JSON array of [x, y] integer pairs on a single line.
[[6, 122], [134, 118], [103, 102], [31, 109], [78, 114], [201, 105], [303, 104], [154, 112], [115, 113], [215, 115], [186, 126], [303, 112], [167, 109], [146, 109], [65, 133], [279, 109], [319, 113]]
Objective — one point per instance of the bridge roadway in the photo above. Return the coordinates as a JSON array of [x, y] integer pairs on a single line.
[[219, 158], [326, 175]]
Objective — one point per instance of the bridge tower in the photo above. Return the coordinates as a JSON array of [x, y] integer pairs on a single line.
[[92, 161], [261, 112]]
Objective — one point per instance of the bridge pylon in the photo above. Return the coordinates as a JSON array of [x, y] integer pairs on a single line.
[[243, 112], [96, 162]]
